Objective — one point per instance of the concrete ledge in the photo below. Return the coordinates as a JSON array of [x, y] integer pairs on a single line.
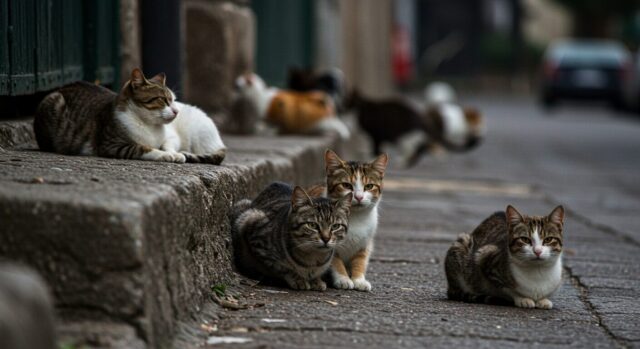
[[136, 243]]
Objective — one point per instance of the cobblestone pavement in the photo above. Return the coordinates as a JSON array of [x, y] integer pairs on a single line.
[[584, 157]]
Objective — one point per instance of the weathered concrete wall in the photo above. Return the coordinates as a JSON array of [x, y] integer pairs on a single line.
[[218, 46], [366, 41], [130, 54], [133, 243]]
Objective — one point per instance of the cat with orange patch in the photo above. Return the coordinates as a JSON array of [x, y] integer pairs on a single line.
[[290, 111]]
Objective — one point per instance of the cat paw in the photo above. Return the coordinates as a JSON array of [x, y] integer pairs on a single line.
[[318, 285], [544, 304], [343, 282], [524, 302], [361, 284], [178, 157], [299, 284]]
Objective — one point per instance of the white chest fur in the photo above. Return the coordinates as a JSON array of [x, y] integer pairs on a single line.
[[140, 132], [362, 228], [537, 282]]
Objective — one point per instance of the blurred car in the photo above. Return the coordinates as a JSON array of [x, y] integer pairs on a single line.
[[588, 69]]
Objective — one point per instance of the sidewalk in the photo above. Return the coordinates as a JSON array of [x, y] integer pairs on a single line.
[[422, 212]]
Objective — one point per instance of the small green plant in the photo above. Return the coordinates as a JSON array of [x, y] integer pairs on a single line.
[[220, 290]]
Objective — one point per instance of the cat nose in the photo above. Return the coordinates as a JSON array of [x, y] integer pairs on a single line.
[[325, 238], [175, 111], [359, 197], [537, 251]]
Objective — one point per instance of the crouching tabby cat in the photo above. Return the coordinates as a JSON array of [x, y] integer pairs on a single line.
[[509, 256], [143, 121], [286, 235]]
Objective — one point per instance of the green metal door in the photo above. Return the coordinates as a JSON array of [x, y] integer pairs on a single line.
[[48, 43], [285, 37]]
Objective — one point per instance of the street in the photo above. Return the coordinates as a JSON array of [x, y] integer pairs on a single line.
[[585, 157]]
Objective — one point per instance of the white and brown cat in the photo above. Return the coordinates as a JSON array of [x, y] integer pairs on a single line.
[[509, 256], [144, 121], [363, 180]]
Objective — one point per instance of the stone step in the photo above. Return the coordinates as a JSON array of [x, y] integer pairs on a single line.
[[137, 243]]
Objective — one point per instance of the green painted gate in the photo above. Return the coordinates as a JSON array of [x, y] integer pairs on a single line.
[[48, 43], [285, 37]]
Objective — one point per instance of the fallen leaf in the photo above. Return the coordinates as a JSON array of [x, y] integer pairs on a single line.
[[331, 302], [274, 291], [239, 329], [209, 328], [273, 320], [227, 340], [406, 289]]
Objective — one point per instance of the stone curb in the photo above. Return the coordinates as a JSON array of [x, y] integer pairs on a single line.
[[133, 243]]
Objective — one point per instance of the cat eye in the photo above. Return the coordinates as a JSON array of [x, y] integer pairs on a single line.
[[152, 100], [525, 240], [347, 186], [369, 186], [548, 240], [336, 227], [312, 226]]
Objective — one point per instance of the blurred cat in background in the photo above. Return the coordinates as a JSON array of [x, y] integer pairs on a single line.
[[398, 121], [291, 112], [330, 81]]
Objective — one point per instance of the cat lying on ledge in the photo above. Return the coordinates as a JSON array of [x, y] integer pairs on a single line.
[[144, 121]]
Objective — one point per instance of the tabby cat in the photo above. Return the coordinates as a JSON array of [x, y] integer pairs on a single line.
[[508, 256], [286, 235], [362, 182], [143, 121]]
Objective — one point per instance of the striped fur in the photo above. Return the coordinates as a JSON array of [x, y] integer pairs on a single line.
[[283, 234], [510, 257]]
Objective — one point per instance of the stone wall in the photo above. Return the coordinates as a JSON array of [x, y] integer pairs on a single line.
[[218, 46], [130, 54]]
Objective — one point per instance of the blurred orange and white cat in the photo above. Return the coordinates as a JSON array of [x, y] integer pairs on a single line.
[[290, 111]]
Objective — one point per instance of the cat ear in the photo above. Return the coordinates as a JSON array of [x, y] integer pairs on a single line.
[[137, 78], [299, 198], [159, 79], [380, 163], [345, 202], [513, 216], [557, 215], [332, 161]]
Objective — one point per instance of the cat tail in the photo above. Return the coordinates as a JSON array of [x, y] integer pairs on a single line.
[[239, 208], [333, 124], [249, 220], [454, 266], [214, 158], [49, 123]]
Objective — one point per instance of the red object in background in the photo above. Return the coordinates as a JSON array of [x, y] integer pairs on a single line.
[[401, 60]]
